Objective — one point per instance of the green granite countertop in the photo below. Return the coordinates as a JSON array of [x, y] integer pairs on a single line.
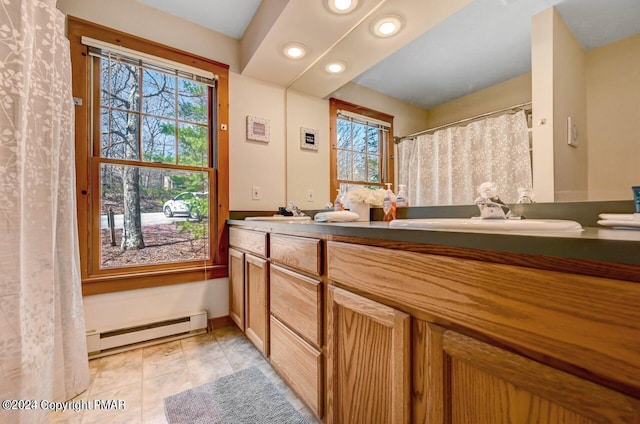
[[594, 243]]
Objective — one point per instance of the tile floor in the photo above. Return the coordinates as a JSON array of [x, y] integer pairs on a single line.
[[145, 376]]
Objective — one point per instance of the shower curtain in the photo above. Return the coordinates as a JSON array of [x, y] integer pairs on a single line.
[[43, 353], [446, 167]]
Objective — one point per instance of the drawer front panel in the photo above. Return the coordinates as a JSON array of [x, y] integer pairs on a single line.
[[296, 300], [250, 241], [299, 364], [297, 252]]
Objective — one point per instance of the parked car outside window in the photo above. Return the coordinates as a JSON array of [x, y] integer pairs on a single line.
[[184, 204]]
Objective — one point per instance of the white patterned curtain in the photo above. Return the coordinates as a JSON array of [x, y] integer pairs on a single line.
[[446, 167], [43, 353]]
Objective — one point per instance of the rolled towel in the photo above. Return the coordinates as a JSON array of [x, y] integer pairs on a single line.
[[337, 216]]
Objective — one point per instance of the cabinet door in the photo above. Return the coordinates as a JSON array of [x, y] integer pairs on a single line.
[[257, 302], [236, 287], [475, 382], [368, 349]]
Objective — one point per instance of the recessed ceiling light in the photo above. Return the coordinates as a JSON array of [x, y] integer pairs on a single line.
[[335, 67], [341, 6], [387, 26], [294, 50]]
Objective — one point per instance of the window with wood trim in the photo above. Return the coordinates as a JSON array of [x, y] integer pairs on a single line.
[[151, 164], [361, 147]]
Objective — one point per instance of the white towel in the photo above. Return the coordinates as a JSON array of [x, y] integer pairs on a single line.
[[337, 216]]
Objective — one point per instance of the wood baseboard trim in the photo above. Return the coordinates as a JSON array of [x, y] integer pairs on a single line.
[[219, 322]]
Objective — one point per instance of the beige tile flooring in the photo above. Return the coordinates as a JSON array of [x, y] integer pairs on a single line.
[[145, 376]]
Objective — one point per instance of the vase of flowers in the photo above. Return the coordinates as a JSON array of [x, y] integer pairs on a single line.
[[359, 200]]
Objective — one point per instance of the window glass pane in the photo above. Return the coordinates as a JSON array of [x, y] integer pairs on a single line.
[[158, 94], [359, 137], [158, 140], [344, 165], [373, 168], [192, 145], [359, 167], [344, 134], [120, 85], [120, 135], [373, 140], [192, 101], [153, 223]]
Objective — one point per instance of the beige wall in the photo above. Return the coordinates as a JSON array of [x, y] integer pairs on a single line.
[[542, 98], [254, 163], [569, 94], [559, 92], [505, 94], [307, 169], [407, 119], [146, 22], [613, 108]]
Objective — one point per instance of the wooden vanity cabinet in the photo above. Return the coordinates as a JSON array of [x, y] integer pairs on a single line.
[[489, 343], [257, 302], [296, 288], [249, 285], [471, 381], [368, 348], [236, 287]]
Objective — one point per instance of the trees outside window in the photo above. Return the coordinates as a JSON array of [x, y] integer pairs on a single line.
[[151, 163], [155, 117], [361, 146]]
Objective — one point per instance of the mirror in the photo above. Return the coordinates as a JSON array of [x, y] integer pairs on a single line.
[[598, 88]]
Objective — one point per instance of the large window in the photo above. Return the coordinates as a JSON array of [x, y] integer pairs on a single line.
[[151, 164], [360, 140]]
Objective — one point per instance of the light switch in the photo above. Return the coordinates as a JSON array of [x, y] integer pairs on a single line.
[[572, 132]]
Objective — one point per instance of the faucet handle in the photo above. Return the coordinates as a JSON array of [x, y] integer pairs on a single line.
[[488, 190], [525, 195]]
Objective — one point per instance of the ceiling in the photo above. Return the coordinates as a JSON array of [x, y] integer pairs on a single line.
[[447, 48]]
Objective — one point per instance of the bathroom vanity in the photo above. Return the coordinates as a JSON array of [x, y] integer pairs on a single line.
[[380, 325]]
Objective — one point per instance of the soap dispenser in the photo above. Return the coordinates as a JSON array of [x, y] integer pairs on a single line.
[[401, 199], [337, 204], [389, 204]]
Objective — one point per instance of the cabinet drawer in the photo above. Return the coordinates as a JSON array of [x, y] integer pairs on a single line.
[[299, 364], [296, 300], [298, 252], [250, 241]]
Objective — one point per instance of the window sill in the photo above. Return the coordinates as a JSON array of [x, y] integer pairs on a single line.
[[143, 280]]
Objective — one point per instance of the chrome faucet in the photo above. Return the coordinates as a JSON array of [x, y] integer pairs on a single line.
[[490, 205], [294, 209]]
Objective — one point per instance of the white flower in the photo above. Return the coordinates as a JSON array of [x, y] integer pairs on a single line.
[[360, 195]]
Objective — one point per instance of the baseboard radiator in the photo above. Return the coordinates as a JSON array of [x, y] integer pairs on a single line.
[[102, 343]]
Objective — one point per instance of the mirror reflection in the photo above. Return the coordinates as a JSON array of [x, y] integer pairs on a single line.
[[572, 70]]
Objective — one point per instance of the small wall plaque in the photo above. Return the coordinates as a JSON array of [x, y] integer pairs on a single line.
[[309, 139], [257, 129]]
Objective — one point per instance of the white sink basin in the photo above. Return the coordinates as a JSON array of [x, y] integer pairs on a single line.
[[280, 218], [471, 224]]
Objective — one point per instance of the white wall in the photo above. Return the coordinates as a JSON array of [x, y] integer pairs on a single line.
[[120, 309]]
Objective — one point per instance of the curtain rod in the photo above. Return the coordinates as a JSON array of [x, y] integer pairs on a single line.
[[522, 106]]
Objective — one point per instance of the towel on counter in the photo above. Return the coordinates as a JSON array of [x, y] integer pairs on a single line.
[[337, 216]]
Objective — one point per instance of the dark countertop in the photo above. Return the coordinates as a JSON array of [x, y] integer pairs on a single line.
[[594, 243]]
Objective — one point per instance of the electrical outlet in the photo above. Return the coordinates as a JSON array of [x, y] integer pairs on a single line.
[[309, 195], [256, 193]]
